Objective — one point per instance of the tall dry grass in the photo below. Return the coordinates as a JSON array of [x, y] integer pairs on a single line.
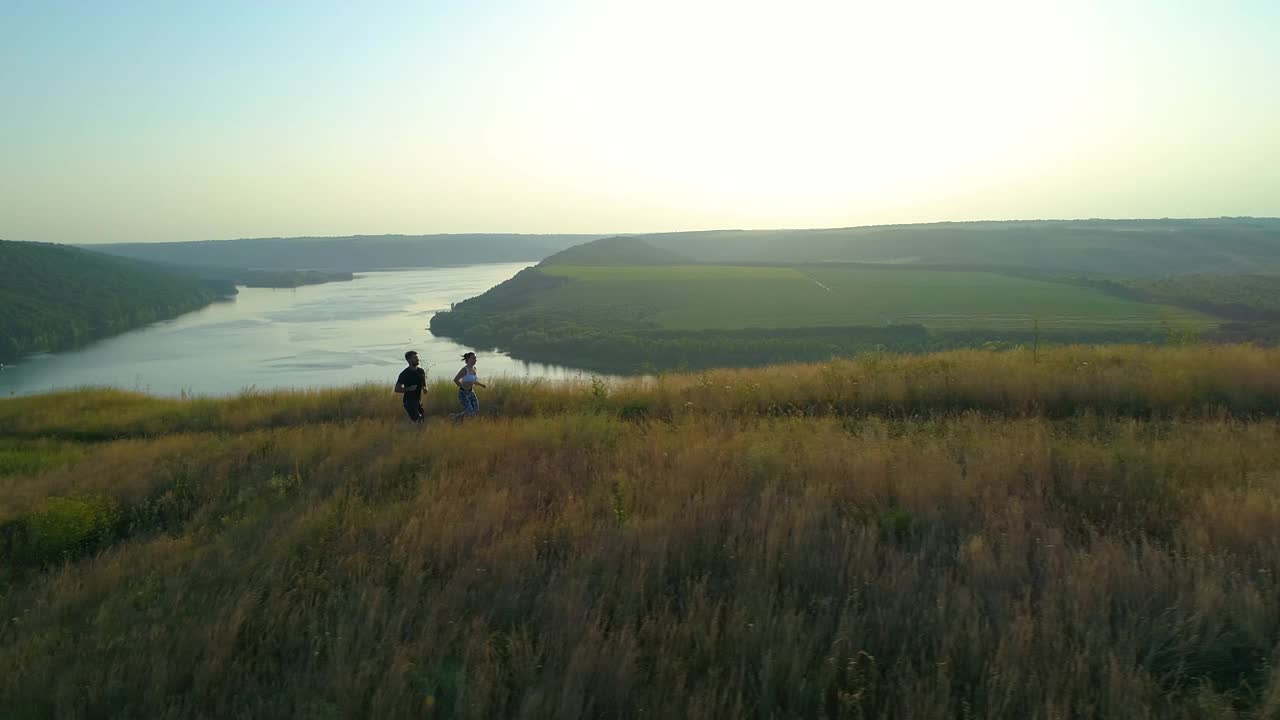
[[586, 558], [1138, 381]]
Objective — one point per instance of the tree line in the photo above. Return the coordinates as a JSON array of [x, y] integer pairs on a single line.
[[56, 297]]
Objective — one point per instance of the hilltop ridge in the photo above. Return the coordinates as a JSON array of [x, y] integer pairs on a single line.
[[351, 253], [1123, 248], [619, 250]]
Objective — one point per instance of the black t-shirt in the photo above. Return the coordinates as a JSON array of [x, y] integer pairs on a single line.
[[412, 376]]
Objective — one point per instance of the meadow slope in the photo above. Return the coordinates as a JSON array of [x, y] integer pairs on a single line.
[[1083, 533]]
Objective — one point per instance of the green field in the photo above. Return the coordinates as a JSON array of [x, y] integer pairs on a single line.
[[729, 297], [637, 316]]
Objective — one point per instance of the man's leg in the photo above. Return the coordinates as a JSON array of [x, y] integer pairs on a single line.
[[414, 411]]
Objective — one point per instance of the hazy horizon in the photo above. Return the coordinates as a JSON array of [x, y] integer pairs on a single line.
[[319, 236], [148, 122]]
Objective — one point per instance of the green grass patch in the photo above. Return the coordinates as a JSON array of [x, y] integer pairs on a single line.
[[58, 529], [30, 457], [730, 297]]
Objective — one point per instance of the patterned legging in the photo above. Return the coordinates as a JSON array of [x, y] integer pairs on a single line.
[[470, 403]]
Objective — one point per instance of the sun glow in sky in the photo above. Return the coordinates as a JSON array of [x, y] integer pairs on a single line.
[[157, 121]]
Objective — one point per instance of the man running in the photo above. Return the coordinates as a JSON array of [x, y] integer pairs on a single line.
[[410, 384]]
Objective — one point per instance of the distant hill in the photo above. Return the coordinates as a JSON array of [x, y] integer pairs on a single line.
[[733, 297], [1100, 247], [616, 251], [354, 253], [54, 297], [1095, 247]]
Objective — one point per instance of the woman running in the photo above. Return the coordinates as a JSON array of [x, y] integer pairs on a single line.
[[467, 380]]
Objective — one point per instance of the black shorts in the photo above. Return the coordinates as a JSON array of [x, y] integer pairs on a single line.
[[415, 412]]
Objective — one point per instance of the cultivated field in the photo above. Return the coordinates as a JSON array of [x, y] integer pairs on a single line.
[[729, 297], [1089, 532]]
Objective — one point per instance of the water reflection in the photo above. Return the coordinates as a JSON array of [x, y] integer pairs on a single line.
[[321, 335]]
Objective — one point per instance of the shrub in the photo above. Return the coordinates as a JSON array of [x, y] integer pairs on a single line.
[[62, 528]]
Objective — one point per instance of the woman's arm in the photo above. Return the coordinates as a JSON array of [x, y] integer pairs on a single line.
[[457, 379]]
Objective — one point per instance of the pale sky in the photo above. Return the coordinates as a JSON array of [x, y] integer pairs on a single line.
[[133, 121]]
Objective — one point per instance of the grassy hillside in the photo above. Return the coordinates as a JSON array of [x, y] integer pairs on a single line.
[[713, 296], [54, 297], [360, 252], [1087, 533], [1248, 304], [627, 317], [1096, 247]]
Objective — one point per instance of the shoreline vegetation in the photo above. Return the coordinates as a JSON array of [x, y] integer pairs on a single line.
[[281, 279], [1079, 532]]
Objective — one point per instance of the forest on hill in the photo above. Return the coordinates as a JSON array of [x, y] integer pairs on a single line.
[[55, 297], [350, 254], [1083, 532]]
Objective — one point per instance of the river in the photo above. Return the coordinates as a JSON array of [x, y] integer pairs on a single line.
[[338, 333]]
